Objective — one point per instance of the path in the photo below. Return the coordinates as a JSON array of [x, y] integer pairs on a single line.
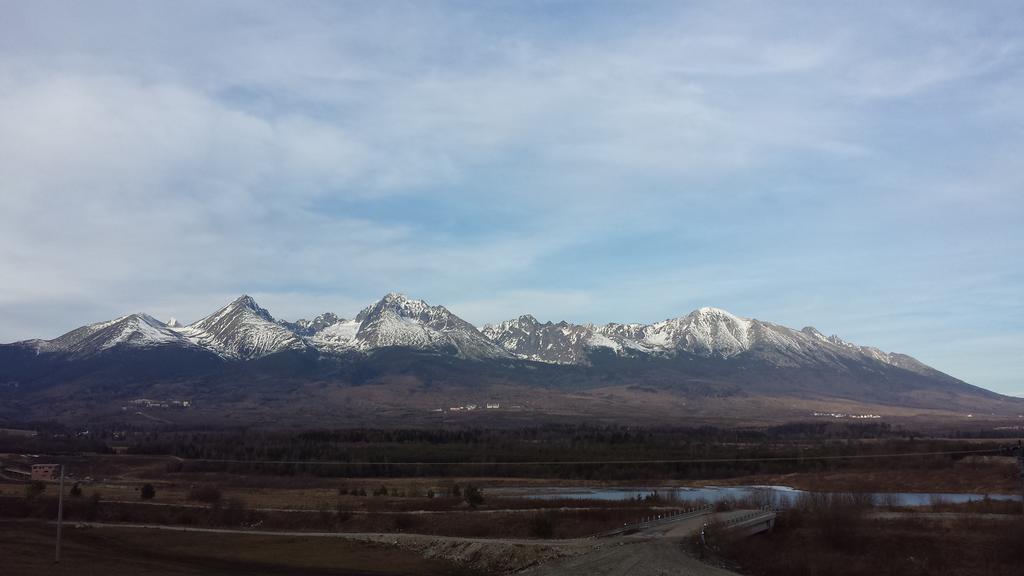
[[652, 550]]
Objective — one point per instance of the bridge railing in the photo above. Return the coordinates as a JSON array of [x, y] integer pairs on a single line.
[[658, 520], [762, 512]]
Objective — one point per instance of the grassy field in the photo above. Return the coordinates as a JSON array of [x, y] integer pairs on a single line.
[[27, 548]]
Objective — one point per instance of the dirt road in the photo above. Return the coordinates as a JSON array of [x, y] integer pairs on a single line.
[[648, 557], [655, 551]]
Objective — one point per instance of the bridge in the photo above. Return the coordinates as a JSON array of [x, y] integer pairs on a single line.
[[690, 521], [651, 545], [751, 522]]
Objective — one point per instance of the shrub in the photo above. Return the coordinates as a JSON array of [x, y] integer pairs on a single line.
[[76, 490], [474, 496], [148, 492]]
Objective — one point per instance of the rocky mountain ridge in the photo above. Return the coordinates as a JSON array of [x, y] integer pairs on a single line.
[[243, 330], [408, 358]]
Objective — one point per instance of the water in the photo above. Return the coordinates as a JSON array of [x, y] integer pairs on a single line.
[[781, 496]]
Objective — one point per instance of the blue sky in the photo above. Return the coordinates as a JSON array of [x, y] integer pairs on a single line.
[[851, 166]]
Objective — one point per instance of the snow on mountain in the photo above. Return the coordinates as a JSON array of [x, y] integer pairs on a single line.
[[133, 330], [396, 320], [337, 337], [710, 332], [705, 331], [242, 330], [304, 327], [561, 343]]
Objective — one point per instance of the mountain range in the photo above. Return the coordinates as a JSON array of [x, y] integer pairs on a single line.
[[403, 358]]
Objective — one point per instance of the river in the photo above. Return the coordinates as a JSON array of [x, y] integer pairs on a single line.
[[780, 496]]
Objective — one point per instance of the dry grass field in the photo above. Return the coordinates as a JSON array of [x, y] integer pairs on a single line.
[[26, 548]]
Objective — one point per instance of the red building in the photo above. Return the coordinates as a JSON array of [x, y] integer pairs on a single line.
[[45, 472]]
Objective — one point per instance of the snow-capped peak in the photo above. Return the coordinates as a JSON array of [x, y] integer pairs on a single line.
[[813, 332], [243, 329], [397, 320], [249, 303], [704, 331], [137, 330], [401, 305]]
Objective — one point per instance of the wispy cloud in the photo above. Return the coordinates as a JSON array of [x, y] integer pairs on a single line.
[[836, 165]]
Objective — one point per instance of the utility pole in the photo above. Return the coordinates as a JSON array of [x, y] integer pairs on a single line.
[[60, 513]]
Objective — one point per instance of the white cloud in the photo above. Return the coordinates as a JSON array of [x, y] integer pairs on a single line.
[[167, 158]]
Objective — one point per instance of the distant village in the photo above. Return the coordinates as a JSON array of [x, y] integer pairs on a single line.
[[472, 407], [844, 415], [148, 403]]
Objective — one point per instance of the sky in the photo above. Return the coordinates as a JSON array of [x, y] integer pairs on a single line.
[[855, 166]]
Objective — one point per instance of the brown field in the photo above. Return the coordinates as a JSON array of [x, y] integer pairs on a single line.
[[425, 508], [28, 547]]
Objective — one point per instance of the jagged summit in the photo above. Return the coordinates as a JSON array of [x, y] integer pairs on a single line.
[[812, 331], [243, 330], [401, 305], [305, 327], [399, 321], [249, 303]]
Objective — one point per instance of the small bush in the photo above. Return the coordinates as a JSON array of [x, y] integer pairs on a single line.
[[148, 492], [474, 496]]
